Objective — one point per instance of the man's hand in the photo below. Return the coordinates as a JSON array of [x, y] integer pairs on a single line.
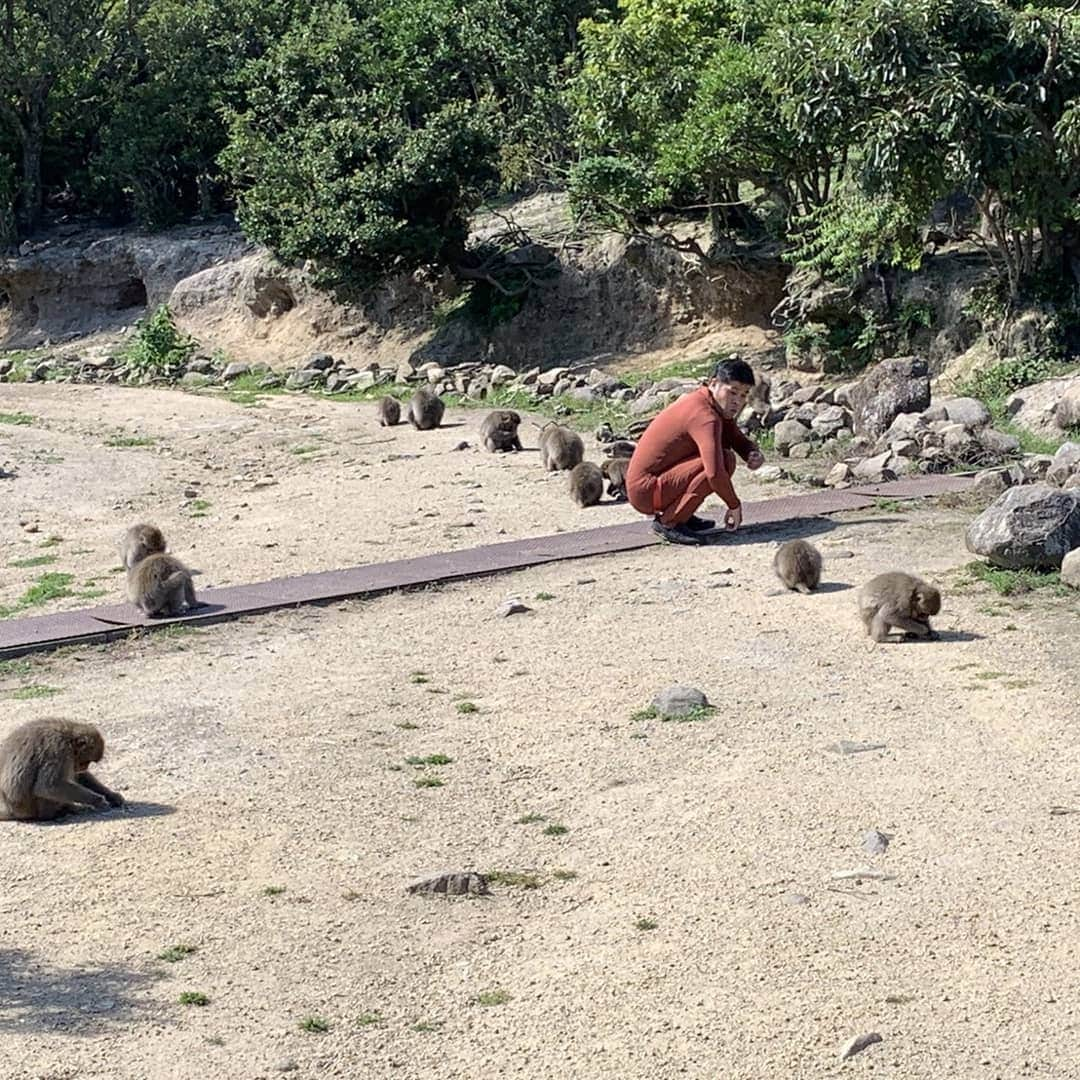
[[733, 519], [755, 459]]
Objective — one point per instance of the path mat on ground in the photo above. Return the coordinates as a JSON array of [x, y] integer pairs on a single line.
[[94, 625]]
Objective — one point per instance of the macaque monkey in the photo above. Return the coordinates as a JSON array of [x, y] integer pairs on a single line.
[[140, 541], [161, 585], [560, 448], [425, 410], [798, 565], [586, 483], [389, 411], [901, 601], [499, 431], [614, 469], [43, 771]]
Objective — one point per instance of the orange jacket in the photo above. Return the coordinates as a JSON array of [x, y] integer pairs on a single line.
[[690, 427]]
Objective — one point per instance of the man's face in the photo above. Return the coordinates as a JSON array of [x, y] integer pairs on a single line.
[[730, 398]]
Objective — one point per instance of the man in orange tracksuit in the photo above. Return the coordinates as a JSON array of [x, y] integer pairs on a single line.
[[688, 452]]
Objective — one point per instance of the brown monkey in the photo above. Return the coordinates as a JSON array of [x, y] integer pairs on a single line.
[[760, 397], [586, 483], [425, 410], [43, 771], [140, 541], [898, 600], [161, 585], [389, 411], [614, 469], [620, 448], [798, 565], [499, 431], [560, 448]]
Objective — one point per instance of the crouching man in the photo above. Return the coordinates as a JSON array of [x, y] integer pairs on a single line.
[[688, 452]]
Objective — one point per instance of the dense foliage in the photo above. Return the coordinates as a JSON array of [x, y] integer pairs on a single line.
[[361, 133]]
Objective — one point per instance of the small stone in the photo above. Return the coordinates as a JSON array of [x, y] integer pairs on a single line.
[[857, 1044], [30, 526], [796, 899], [845, 747], [190, 493], [452, 883], [463, 445], [767, 474], [235, 370], [839, 474], [287, 1065], [512, 607], [319, 362], [842, 553], [874, 842], [678, 701], [195, 379]]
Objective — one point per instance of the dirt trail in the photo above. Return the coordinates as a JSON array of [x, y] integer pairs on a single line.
[[271, 754]]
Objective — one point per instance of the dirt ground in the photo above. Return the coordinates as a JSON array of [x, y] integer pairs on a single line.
[[684, 922]]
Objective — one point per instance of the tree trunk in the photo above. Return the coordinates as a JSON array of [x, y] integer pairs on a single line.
[[32, 137]]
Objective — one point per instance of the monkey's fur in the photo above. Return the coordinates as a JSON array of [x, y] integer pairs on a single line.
[[760, 397], [560, 448], [43, 771], [614, 469], [586, 483], [389, 411], [140, 541], [898, 600], [425, 410], [798, 565], [499, 431], [161, 585]]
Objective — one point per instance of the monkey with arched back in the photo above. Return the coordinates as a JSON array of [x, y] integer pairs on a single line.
[[425, 410], [499, 430], [898, 600]]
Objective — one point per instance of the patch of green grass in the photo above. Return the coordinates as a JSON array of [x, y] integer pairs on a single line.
[[891, 506], [554, 829], [33, 692], [492, 997], [519, 879], [369, 1020], [564, 875], [51, 541], [21, 419], [299, 451], [91, 594], [989, 674], [431, 759], [52, 586], [428, 781], [274, 890], [1018, 684], [406, 725], [467, 707], [175, 953], [193, 997], [530, 819], [545, 596], [699, 712], [1015, 582], [314, 1025], [419, 677], [34, 560], [124, 441], [15, 667], [198, 506], [422, 1026], [646, 924]]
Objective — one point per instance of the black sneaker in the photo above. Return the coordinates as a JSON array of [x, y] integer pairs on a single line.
[[696, 524], [677, 534]]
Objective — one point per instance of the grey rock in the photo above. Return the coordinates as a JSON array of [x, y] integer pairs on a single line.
[[647, 403], [463, 445], [287, 1065], [1036, 407], [970, 412], [801, 450], [876, 469], [451, 883], [857, 1044], [318, 362], [768, 474], [1036, 466], [195, 379], [895, 386], [1030, 526], [501, 374], [677, 701], [789, 433], [795, 899], [1066, 462], [235, 370], [998, 443], [874, 842], [1067, 410], [552, 376], [202, 364], [991, 482], [512, 607], [1070, 569], [301, 380], [846, 747], [839, 474]]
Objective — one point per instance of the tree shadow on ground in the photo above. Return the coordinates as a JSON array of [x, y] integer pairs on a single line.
[[83, 1001]]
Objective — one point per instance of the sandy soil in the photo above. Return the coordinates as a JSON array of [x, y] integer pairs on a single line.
[[270, 754]]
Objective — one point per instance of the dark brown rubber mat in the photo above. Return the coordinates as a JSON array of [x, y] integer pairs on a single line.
[[92, 625]]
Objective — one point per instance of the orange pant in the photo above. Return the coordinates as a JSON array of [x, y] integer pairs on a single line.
[[676, 494]]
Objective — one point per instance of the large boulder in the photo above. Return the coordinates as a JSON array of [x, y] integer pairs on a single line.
[[1070, 569], [1066, 462], [1036, 407], [899, 385], [1031, 526]]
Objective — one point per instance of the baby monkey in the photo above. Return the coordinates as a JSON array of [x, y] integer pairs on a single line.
[[798, 565], [560, 448], [614, 470], [425, 410], [140, 541], [499, 431], [898, 600], [586, 483], [157, 584], [389, 411], [44, 771]]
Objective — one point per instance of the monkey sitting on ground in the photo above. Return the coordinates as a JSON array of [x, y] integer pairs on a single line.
[[760, 397], [161, 585], [140, 541], [898, 600], [425, 410], [798, 565], [614, 469], [560, 448], [43, 771], [586, 483], [499, 431], [389, 411]]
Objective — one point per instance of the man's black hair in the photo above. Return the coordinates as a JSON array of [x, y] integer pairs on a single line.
[[734, 370]]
